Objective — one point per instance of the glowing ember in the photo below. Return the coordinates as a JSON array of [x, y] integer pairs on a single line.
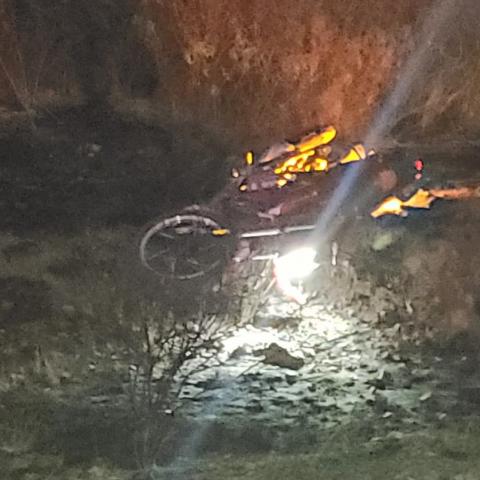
[[249, 158], [220, 232]]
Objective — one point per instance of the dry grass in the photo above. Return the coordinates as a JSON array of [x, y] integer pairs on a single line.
[[449, 452], [281, 70], [262, 71], [255, 71]]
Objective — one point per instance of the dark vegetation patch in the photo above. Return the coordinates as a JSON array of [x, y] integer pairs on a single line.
[[85, 169]]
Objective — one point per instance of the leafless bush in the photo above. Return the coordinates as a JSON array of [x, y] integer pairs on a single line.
[[59, 53], [21, 69], [172, 351]]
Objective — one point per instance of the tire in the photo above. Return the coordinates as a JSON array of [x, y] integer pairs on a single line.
[[184, 246]]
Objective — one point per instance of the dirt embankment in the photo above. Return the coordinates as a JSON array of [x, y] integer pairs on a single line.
[[259, 70]]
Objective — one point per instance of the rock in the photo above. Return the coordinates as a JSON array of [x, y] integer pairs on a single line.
[[254, 407], [238, 353], [208, 384], [378, 383], [283, 400], [279, 357], [291, 379], [273, 380]]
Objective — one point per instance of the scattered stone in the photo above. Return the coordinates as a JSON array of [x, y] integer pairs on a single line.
[[354, 369], [254, 407], [291, 379], [274, 380], [210, 384]]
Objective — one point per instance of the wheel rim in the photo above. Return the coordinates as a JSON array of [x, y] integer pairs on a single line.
[[182, 247]]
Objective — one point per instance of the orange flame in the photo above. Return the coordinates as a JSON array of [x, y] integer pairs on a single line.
[[310, 154], [356, 153], [302, 163], [423, 199], [420, 199], [315, 140], [394, 206], [390, 206], [458, 193]]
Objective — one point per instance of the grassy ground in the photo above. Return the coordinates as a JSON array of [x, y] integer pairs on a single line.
[[439, 452], [444, 454]]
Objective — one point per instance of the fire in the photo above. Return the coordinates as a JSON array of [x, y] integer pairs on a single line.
[[220, 232], [458, 193], [390, 206], [356, 153], [310, 154], [315, 140], [423, 199], [303, 163], [394, 206]]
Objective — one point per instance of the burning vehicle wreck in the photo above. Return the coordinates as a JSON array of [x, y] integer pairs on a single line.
[[282, 193], [277, 167]]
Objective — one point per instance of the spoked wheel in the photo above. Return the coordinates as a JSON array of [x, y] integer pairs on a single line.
[[184, 246]]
